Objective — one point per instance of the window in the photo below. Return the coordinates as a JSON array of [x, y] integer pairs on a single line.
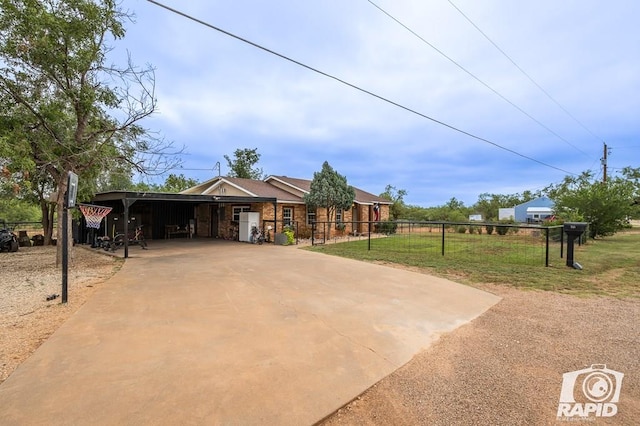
[[287, 215], [338, 216], [311, 216], [239, 209]]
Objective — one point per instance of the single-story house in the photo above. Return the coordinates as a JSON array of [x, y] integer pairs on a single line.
[[289, 207], [212, 208]]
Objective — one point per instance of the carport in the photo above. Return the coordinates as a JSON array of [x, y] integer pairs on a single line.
[[156, 211]]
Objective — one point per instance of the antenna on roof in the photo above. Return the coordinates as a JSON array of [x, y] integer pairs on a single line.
[[217, 166]]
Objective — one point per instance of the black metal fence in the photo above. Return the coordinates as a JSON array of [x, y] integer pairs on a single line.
[[513, 243]]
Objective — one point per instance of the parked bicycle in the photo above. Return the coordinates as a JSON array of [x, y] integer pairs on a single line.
[[135, 238], [256, 235]]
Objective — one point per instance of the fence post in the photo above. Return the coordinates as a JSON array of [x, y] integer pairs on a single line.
[[369, 244], [546, 260], [443, 239], [313, 231]]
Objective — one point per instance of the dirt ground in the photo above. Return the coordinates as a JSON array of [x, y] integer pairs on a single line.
[[27, 278], [505, 367]]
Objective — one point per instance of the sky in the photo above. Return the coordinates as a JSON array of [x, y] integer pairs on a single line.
[[451, 98]]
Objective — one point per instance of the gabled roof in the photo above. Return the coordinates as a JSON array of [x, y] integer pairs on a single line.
[[264, 188], [252, 188], [304, 185]]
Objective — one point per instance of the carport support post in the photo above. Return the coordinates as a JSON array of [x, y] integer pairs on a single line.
[[126, 203]]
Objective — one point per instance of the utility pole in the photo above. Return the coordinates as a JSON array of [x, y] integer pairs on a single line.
[[604, 164]]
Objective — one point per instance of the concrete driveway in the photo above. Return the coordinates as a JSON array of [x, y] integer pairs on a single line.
[[216, 332]]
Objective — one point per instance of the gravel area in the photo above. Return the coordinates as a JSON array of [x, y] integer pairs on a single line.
[[504, 368], [27, 278]]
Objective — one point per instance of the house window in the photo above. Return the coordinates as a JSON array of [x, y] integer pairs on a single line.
[[287, 215], [338, 216], [311, 216], [239, 209]]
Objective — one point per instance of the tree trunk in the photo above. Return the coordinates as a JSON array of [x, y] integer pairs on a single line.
[[62, 190], [46, 222]]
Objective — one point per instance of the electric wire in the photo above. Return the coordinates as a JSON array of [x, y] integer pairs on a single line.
[[353, 86], [525, 73], [478, 79]]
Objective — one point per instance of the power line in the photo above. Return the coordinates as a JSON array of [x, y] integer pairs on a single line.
[[477, 79], [353, 86], [525, 73]]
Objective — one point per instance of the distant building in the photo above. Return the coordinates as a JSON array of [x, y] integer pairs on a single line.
[[534, 211], [508, 213]]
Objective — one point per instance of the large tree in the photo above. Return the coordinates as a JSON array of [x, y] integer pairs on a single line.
[[242, 165], [605, 205], [71, 110], [396, 196], [329, 189]]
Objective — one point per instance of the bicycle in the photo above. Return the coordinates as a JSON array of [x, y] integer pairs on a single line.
[[257, 236], [137, 238]]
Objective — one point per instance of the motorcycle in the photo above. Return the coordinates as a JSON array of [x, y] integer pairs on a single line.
[[8, 240]]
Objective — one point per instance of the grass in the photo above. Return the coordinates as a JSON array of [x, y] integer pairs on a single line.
[[611, 266]]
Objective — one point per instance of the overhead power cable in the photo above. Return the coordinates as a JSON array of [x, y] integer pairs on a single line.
[[525, 73], [353, 86], [477, 79]]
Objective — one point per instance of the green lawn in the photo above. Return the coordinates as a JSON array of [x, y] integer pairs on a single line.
[[611, 266]]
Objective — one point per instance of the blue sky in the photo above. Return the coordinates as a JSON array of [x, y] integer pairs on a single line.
[[216, 94]]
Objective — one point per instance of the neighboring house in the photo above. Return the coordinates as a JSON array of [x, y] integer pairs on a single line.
[[534, 211], [221, 219]]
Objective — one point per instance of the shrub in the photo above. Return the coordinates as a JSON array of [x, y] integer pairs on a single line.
[[386, 227], [503, 229], [291, 237], [304, 233], [461, 229], [489, 229]]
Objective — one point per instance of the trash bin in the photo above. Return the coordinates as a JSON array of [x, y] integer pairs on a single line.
[[281, 239]]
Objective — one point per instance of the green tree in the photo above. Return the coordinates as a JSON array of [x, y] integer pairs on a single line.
[[71, 110], [330, 190], [242, 165], [607, 206], [396, 196], [177, 183]]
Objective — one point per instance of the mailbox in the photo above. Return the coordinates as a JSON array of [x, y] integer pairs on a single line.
[[573, 230], [576, 228]]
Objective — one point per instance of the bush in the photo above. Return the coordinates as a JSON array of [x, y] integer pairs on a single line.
[[386, 227], [291, 237], [461, 229], [304, 233], [489, 229], [503, 229]]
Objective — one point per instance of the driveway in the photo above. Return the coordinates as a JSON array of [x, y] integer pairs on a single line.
[[217, 332]]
